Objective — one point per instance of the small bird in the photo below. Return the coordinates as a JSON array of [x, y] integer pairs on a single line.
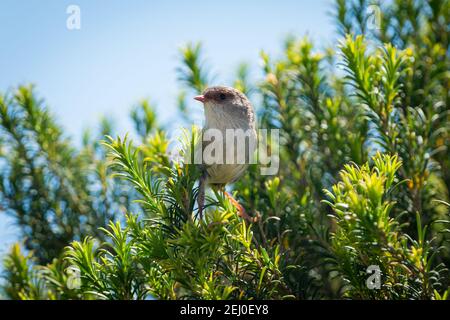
[[226, 108]]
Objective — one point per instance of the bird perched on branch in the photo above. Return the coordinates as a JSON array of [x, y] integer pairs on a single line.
[[228, 113]]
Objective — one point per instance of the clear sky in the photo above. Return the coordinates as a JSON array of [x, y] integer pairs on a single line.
[[127, 50]]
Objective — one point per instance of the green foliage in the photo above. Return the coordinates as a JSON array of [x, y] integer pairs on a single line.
[[144, 119], [21, 281], [111, 272], [55, 192], [363, 180], [209, 259], [193, 73], [367, 235]]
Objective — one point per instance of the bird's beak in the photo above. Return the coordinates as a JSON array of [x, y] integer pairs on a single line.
[[200, 98]]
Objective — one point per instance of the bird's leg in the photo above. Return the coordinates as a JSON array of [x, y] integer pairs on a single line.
[[201, 195], [239, 207]]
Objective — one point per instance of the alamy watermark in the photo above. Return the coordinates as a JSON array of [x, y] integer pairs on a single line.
[[238, 146], [373, 282], [73, 278], [373, 12], [73, 21]]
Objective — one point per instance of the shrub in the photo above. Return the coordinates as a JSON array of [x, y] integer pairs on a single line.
[[362, 187]]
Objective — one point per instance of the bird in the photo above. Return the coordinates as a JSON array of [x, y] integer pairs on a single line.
[[226, 108]]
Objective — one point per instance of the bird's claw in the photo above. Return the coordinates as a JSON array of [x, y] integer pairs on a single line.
[[241, 210]]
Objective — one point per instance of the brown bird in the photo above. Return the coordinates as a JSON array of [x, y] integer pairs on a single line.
[[226, 108]]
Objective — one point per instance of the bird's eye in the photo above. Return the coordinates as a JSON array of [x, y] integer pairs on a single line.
[[222, 96]]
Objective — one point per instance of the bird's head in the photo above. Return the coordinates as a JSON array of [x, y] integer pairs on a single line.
[[226, 104]]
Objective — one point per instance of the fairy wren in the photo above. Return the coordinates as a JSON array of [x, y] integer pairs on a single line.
[[229, 113]]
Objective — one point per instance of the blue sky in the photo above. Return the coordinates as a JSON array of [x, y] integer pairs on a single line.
[[127, 50]]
